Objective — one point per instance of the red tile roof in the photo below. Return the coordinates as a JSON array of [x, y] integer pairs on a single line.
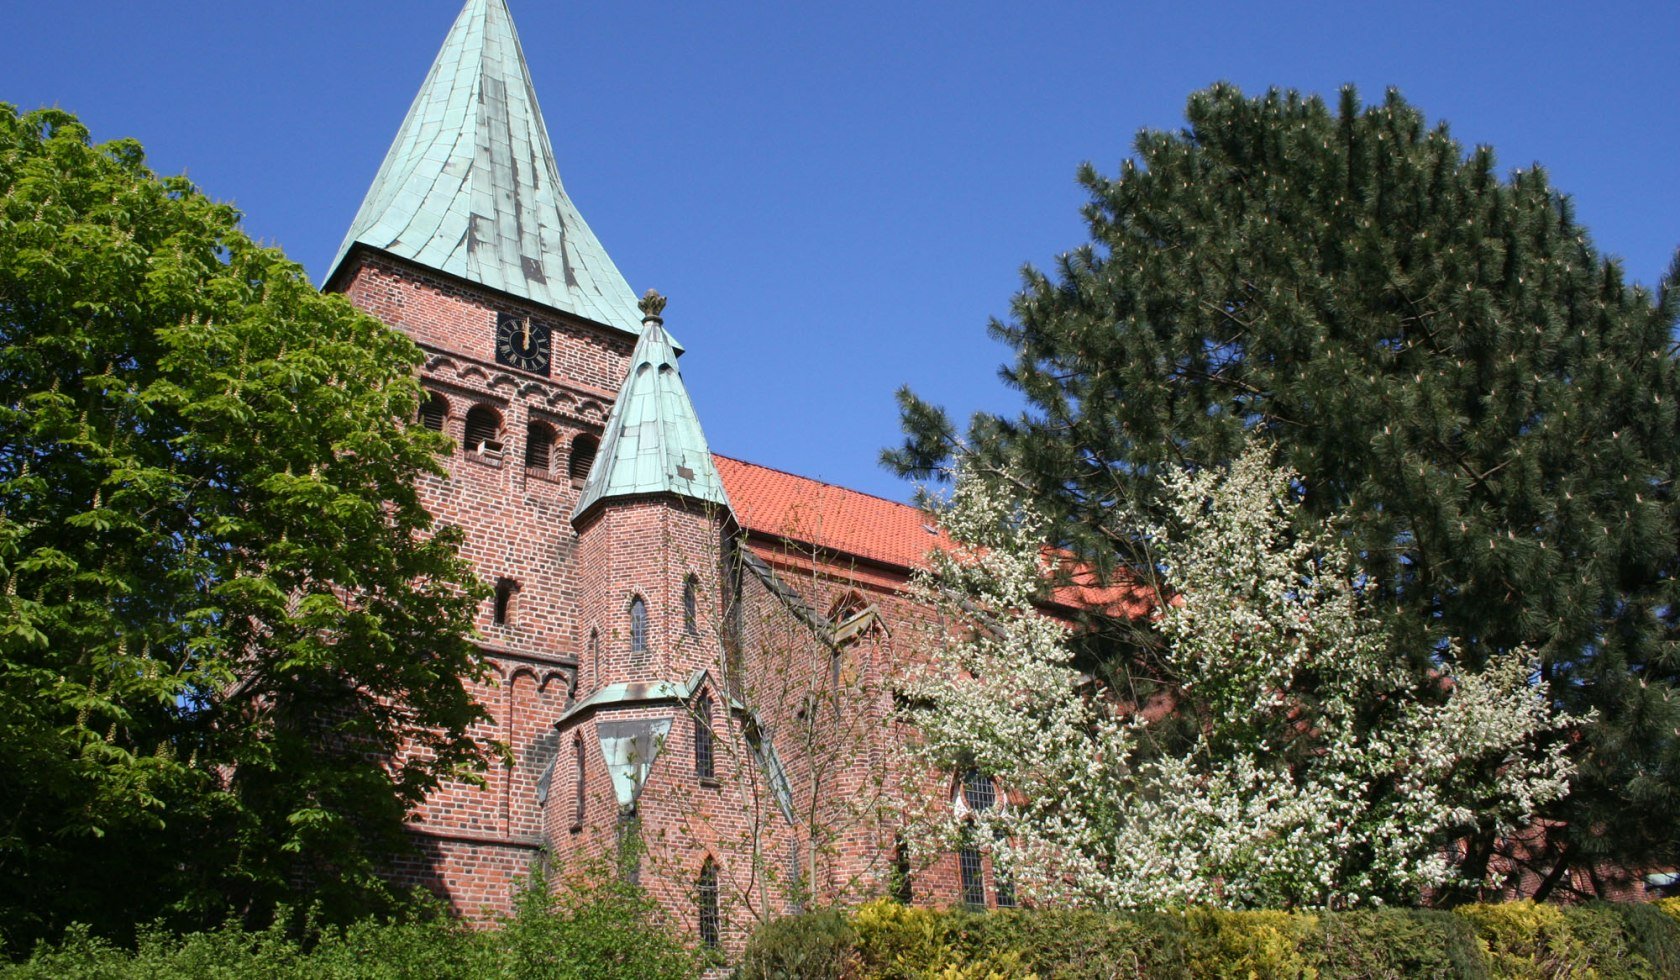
[[858, 525]]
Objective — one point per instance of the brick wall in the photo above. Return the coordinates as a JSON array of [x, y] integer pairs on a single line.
[[823, 711]]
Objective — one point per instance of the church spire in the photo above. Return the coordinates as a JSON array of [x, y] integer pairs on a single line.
[[470, 186], [653, 442]]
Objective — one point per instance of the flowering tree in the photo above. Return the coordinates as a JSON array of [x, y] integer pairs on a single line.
[[1314, 764]]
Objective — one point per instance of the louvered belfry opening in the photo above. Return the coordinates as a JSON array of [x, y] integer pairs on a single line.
[[539, 446], [434, 411], [582, 458], [483, 430]]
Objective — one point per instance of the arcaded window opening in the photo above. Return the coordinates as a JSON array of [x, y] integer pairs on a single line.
[[691, 606], [539, 446], [434, 411], [581, 458], [706, 898], [483, 431]]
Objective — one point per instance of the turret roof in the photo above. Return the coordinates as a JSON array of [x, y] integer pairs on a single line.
[[653, 442], [470, 186]]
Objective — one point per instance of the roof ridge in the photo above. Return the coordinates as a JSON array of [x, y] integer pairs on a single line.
[[811, 479]]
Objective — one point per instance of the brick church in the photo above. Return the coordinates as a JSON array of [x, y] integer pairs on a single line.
[[688, 650]]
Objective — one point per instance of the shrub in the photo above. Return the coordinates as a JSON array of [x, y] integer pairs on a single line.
[[1523, 940], [818, 945], [1655, 936], [1399, 943], [898, 942], [594, 926], [1067, 944], [1223, 945], [1602, 946]]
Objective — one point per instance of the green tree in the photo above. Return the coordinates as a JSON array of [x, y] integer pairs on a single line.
[[222, 606], [1440, 353]]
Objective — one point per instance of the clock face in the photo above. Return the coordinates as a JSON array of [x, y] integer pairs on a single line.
[[522, 342]]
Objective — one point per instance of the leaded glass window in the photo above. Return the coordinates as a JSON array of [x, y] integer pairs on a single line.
[[706, 897]]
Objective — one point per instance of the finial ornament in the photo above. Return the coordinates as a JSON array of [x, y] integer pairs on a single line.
[[653, 305]]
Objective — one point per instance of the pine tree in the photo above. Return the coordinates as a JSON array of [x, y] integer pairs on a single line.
[[1443, 356]]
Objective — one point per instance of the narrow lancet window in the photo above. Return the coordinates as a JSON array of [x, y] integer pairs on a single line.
[[691, 607], [704, 765], [638, 627], [706, 897]]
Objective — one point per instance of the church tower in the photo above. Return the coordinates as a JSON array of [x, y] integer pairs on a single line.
[[585, 490]]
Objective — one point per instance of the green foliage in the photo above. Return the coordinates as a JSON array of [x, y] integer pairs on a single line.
[[1603, 946], [1399, 943], [1512, 942], [1525, 940], [1453, 369], [1072, 944], [222, 606], [817, 945], [1239, 945], [1669, 907], [593, 928], [368, 950]]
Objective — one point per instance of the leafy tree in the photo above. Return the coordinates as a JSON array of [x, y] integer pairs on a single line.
[[222, 606], [1441, 354], [1322, 772]]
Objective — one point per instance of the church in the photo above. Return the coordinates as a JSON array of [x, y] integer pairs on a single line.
[[689, 652]]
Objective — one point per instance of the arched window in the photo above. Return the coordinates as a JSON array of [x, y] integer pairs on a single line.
[[638, 626], [578, 802], [704, 767], [434, 411], [979, 793], [691, 607], [595, 655], [483, 430], [1003, 884], [582, 458], [539, 446], [973, 881], [706, 897], [901, 890]]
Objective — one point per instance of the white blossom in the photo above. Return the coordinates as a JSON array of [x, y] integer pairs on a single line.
[[1324, 767]]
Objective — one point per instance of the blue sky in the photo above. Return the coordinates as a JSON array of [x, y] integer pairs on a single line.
[[837, 196]]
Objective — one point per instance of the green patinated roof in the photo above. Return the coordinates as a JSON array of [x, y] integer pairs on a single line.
[[653, 442], [470, 186]]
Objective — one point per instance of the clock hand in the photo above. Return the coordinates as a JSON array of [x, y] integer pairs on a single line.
[[527, 333]]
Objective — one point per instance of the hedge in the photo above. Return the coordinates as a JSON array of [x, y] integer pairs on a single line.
[[885, 941]]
